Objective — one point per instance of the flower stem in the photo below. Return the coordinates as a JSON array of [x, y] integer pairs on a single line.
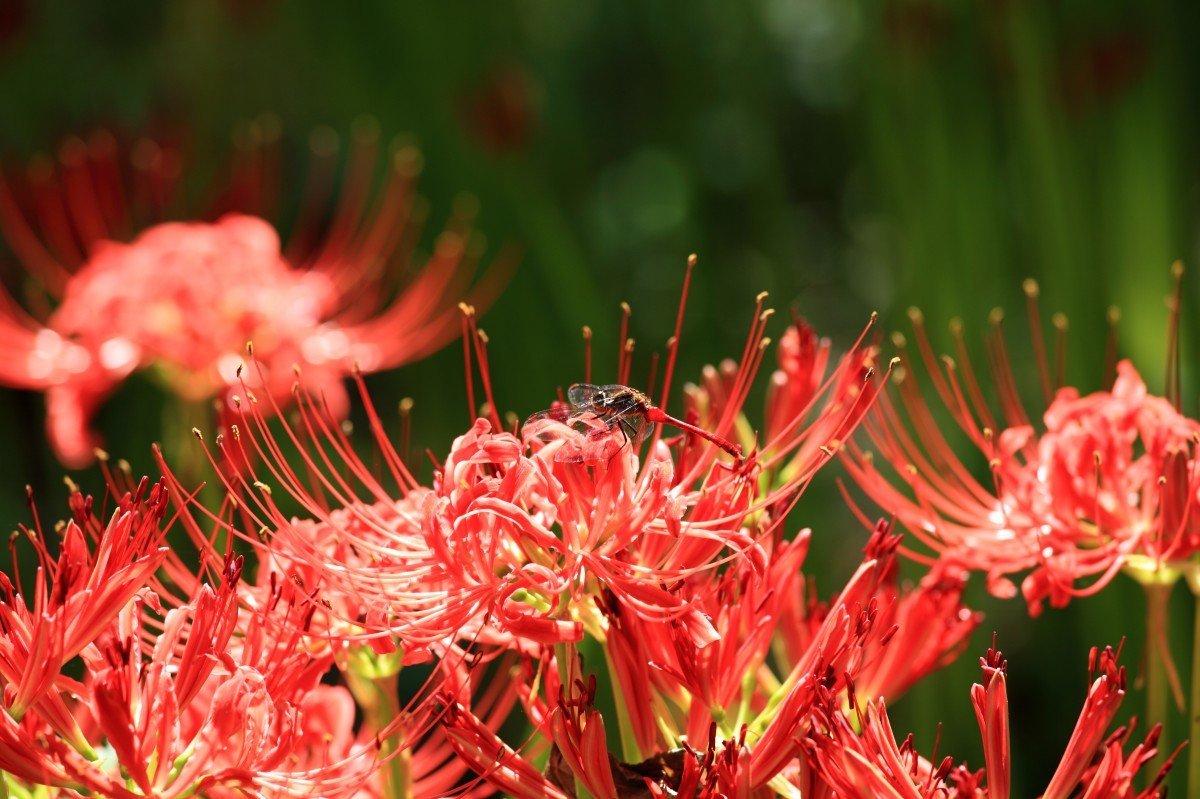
[[1193, 778], [565, 658], [398, 779], [1158, 595], [379, 698]]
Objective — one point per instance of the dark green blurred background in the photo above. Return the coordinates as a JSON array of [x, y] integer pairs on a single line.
[[845, 156]]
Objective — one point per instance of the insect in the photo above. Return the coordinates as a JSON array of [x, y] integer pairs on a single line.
[[602, 410]]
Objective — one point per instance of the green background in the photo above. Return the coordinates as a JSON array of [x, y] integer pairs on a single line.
[[845, 155]]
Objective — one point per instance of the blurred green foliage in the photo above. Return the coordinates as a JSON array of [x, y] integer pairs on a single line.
[[845, 155]]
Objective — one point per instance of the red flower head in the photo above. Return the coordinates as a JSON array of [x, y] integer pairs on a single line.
[[99, 570], [531, 538], [864, 761], [572, 529], [203, 698], [184, 298], [1110, 480], [722, 719]]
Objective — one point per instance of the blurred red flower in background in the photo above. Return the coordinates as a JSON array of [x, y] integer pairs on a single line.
[[184, 298]]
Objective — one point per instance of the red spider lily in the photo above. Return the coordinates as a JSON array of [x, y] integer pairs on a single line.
[[132, 292], [1111, 478], [800, 433], [867, 762], [660, 673], [99, 569], [717, 720], [197, 701], [803, 359], [927, 626], [513, 543], [293, 632]]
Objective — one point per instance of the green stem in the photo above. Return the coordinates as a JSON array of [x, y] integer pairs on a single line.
[[1158, 596], [564, 657], [379, 699], [629, 744], [1194, 701]]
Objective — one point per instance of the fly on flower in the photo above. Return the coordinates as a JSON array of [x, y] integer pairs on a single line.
[[609, 418]]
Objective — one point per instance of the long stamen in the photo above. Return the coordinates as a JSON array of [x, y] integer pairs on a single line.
[[1173, 390], [481, 342], [673, 342], [1030, 287], [1113, 319], [622, 337], [627, 362], [587, 354], [1061, 327], [467, 313]]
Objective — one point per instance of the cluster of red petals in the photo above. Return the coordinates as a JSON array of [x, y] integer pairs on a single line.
[[131, 292], [124, 674], [516, 543], [863, 759], [671, 557], [1108, 478], [724, 719]]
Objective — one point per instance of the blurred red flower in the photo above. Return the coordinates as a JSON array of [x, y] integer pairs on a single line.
[[184, 298]]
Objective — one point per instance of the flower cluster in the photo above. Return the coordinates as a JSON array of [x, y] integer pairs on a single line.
[[548, 555], [605, 601], [175, 697]]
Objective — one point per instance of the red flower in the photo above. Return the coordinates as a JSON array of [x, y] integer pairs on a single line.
[[724, 719], [871, 764], [99, 570], [516, 544], [202, 699], [1112, 477], [184, 298]]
